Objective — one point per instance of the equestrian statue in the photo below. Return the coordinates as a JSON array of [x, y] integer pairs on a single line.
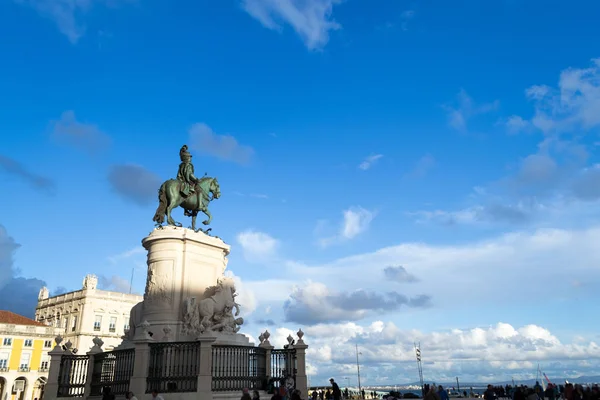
[[188, 192]]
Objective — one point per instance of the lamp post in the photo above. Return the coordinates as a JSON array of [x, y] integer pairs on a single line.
[[358, 372], [347, 381]]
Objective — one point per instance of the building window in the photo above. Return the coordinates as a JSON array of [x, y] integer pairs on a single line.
[[125, 327], [98, 322], [4, 361], [28, 343], [74, 323], [47, 343], [7, 341], [112, 327], [24, 364], [66, 323], [44, 364]]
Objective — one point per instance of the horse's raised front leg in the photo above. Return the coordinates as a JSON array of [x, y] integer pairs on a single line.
[[208, 214]]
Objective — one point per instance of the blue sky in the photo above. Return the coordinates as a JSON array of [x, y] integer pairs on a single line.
[[418, 169]]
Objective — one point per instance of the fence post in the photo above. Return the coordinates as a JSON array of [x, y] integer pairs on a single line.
[[205, 368], [301, 379], [94, 351], [51, 389], [141, 341], [265, 344]]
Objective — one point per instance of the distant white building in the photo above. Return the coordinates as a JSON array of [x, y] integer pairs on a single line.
[[84, 314]]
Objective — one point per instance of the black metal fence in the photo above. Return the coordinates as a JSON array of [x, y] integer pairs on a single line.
[[112, 369], [173, 367], [237, 367], [283, 366], [72, 375]]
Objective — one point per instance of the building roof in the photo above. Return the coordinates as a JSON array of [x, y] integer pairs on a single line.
[[8, 317]]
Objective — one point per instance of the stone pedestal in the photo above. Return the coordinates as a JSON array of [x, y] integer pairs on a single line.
[[181, 264]]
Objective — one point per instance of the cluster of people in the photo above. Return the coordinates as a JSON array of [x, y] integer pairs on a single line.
[[335, 393], [280, 393], [568, 391]]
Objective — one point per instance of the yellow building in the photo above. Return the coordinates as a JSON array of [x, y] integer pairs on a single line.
[[24, 360]]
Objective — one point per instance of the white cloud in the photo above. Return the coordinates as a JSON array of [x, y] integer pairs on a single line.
[[516, 124], [405, 17], [85, 136], [356, 221], [475, 354], [114, 283], [369, 161], [68, 15], [314, 302], [127, 254], [246, 296], [423, 166], [204, 140], [460, 114], [311, 19], [574, 104], [510, 260], [257, 246]]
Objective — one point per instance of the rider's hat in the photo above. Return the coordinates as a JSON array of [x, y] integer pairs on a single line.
[[184, 152]]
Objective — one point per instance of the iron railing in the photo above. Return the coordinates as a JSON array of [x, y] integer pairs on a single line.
[[173, 367], [238, 367], [72, 375], [283, 366], [112, 369]]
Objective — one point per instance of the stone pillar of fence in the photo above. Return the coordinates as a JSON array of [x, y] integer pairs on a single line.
[[91, 370], [141, 341], [265, 344], [51, 389], [301, 379], [205, 368]]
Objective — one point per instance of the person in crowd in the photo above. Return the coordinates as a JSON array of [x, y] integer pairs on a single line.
[[489, 394], [276, 395], [130, 396], [443, 393], [156, 396], [431, 394], [296, 395], [246, 394], [255, 395], [107, 393], [336, 392]]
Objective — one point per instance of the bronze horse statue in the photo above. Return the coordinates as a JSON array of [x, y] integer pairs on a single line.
[[170, 196]]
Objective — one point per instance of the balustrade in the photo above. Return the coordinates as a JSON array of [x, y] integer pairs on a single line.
[[173, 367], [72, 375], [112, 369], [238, 367]]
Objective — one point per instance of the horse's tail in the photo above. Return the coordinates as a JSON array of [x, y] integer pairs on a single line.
[[159, 216]]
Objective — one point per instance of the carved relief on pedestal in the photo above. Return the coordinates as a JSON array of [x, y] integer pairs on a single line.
[[214, 311], [159, 284]]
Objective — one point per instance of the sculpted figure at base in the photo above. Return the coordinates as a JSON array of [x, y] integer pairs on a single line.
[[214, 312], [188, 192], [226, 322]]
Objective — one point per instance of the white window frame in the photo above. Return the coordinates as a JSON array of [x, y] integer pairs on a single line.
[[25, 362], [97, 323]]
